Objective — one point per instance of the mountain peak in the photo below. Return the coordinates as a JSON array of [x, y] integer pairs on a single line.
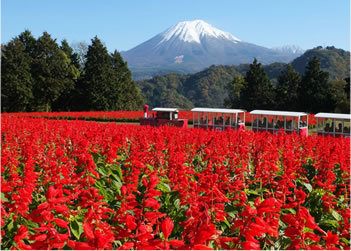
[[194, 31]]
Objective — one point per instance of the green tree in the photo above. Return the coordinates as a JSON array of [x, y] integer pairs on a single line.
[[286, 91], [73, 56], [347, 88], [94, 86], [315, 91], [235, 88], [340, 97], [106, 83], [65, 101], [258, 93], [16, 78], [51, 72], [29, 42], [128, 95]]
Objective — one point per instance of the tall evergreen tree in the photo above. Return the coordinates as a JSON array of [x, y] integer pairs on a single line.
[[129, 97], [315, 91], [235, 88], [29, 42], [16, 78], [287, 90], [96, 82], [106, 83], [73, 56], [51, 72], [258, 93], [340, 97], [66, 100]]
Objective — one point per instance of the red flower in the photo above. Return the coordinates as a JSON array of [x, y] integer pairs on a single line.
[[61, 223], [21, 233], [167, 227], [250, 245], [300, 195], [88, 230], [331, 239], [151, 202]]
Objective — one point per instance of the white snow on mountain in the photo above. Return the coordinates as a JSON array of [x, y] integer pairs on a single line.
[[194, 31]]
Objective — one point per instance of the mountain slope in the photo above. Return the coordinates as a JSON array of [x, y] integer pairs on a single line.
[[191, 46], [207, 88], [333, 60]]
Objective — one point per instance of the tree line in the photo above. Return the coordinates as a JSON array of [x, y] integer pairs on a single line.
[[42, 75], [311, 92]]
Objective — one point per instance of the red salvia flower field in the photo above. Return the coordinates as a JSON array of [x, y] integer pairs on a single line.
[[89, 185], [127, 116]]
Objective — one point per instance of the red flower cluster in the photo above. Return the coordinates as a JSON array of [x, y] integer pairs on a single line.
[[86, 185], [127, 116]]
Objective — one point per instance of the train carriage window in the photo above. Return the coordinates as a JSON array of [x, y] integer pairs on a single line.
[[338, 127], [262, 122], [227, 119], [279, 123], [270, 122], [289, 123], [295, 123], [202, 118], [327, 127], [219, 121], [255, 121]]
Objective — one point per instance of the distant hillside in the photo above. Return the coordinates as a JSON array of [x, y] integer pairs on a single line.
[[207, 88], [335, 61]]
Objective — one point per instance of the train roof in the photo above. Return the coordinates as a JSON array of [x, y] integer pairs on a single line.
[[159, 109], [277, 113], [217, 110], [332, 115]]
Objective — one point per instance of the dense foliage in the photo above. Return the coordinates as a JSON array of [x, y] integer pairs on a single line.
[[312, 93], [40, 75], [208, 88], [87, 185], [335, 61]]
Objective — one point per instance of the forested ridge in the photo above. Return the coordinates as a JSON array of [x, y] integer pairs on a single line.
[[211, 87], [41, 74]]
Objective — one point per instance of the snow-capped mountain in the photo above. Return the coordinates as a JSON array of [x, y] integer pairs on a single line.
[[191, 46], [194, 32]]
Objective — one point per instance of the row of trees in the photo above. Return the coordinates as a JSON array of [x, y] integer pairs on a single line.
[[312, 92], [40, 75]]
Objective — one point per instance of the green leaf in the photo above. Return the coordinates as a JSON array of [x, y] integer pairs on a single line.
[[163, 187], [253, 192], [308, 187], [150, 167], [176, 203], [307, 230], [10, 225], [226, 222], [3, 198], [336, 215], [329, 223], [346, 241], [76, 228], [119, 171]]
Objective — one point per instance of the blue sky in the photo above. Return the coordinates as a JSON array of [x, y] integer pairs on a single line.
[[123, 24]]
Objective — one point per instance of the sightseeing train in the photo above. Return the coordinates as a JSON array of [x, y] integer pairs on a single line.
[[334, 124]]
